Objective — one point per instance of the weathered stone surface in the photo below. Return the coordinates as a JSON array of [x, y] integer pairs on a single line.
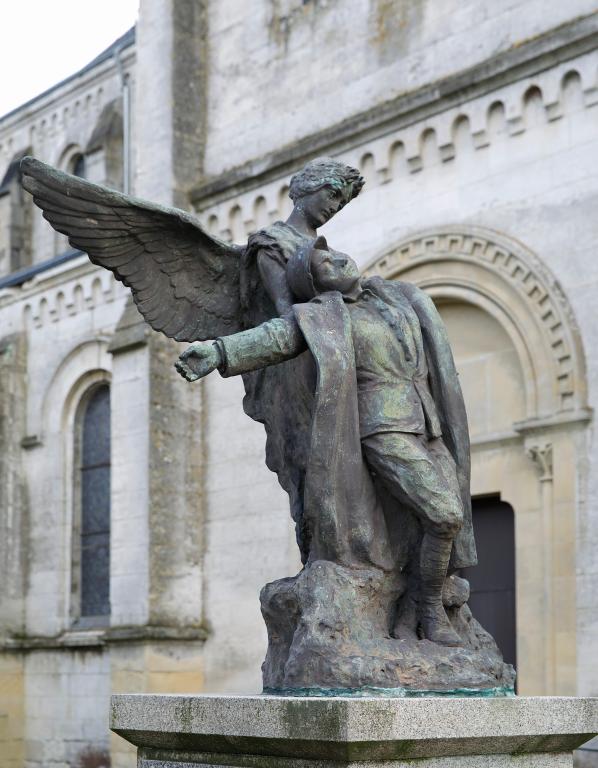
[[14, 521], [297, 732], [329, 627]]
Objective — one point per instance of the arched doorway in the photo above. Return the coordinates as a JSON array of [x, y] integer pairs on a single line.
[[521, 366]]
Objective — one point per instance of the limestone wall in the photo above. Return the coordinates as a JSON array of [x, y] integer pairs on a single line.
[[280, 71]]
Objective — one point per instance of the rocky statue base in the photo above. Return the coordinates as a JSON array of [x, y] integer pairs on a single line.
[[329, 628], [290, 732]]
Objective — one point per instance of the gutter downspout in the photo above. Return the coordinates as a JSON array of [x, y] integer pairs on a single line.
[[126, 101]]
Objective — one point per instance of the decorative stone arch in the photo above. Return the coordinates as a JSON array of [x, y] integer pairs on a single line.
[[538, 465], [508, 281], [84, 365], [71, 160], [67, 157]]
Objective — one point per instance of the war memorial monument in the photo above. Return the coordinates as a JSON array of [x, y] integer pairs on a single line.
[[374, 657]]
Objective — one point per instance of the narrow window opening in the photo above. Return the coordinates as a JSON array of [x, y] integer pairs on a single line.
[[93, 483], [78, 166]]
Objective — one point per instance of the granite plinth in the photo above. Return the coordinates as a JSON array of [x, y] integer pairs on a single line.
[[173, 731]]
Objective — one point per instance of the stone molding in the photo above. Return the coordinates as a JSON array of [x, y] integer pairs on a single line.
[[490, 99], [436, 119], [63, 292], [558, 421], [523, 274], [70, 299], [97, 638]]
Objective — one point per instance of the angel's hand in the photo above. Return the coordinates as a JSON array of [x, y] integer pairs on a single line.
[[198, 360]]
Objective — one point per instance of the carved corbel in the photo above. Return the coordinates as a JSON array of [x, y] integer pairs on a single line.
[[540, 452]]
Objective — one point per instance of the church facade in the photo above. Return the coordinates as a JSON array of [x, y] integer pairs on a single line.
[[138, 521]]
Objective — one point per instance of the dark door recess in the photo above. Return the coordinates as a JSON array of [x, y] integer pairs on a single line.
[[492, 581]]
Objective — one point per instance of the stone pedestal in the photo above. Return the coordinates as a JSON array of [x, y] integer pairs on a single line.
[[328, 627], [294, 732]]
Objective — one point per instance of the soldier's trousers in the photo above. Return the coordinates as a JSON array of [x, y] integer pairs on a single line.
[[421, 474]]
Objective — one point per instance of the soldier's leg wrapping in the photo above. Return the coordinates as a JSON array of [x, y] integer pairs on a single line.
[[421, 475]]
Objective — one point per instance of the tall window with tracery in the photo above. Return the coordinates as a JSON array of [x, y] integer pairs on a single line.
[[93, 483]]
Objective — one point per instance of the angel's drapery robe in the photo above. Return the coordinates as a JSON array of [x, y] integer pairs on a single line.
[[335, 505], [281, 397]]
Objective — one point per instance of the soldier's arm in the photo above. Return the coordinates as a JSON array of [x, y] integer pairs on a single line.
[[270, 343]]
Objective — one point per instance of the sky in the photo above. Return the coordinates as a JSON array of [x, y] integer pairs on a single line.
[[44, 41]]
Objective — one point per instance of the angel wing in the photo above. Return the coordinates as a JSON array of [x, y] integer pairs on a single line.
[[184, 281]]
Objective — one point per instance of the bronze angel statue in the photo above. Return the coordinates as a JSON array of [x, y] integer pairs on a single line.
[[366, 429]]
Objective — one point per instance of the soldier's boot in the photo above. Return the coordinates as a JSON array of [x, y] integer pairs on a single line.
[[434, 559]]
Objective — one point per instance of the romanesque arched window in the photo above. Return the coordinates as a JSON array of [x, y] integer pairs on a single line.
[[15, 219], [72, 161], [77, 165], [93, 483]]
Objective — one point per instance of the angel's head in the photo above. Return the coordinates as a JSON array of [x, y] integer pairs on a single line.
[[323, 187]]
